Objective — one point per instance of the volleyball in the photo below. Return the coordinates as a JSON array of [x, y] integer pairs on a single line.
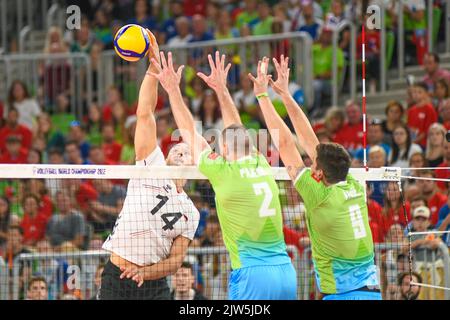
[[132, 42]]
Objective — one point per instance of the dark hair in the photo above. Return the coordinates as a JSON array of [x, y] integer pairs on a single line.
[[37, 279], [395, 147], [201, 111], [71, 142], [57, 151], [334, 161], [419, 198], [427, 172], [434, 55], [11, 91], [187, 265], [39, 153], [422, 85], [231, 135], [212, 219], [4, 221], [30, 195], [446, 85], [393, 103], [402, 276]]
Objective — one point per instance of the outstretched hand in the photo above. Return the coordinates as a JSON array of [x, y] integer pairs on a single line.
[[169, 79], [136, 274], [281, 85], [153, 50], [261, 82], [217, 80]]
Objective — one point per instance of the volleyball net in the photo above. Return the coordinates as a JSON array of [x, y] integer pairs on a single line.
[[61, 215]]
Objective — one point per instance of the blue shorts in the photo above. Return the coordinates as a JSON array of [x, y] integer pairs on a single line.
[[355, 295], [263, 283]]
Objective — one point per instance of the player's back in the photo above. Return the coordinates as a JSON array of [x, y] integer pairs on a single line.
[[248, 207], [342, 245]]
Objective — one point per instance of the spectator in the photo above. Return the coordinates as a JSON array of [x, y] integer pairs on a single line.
[[293, 210], [194, 7], [27, 107], [77, 134], [84, 193], [398, 247], [430, 191], [54, 270], [433, 71], [444, 220], [333, 122], [394, 117], [114, 96], [375, 217], [34, 156], [444, 113], [212, 16], [44, 137], [245, 101], [372, 54], [93, 126], [55, 156], [350, 135], [110, 147], [56, 77], [102, 28], [119, 116], [183, 284], [14, 152], [34, 220], [402, 147], [249, 15], [280, 14], [67, 228], [435, 144], [417, 160], [297, 14], [322, 53], [377, 157], [73, 154], [142, 16], [375, 137], [393, 208], [183, 35], [37, 188], [334, 18], [63, 117], [84, 38], [127, 155], [106, 208], [37, 289], [209, 113], [224, 30], [444, 173], [98, 281], [211, 230], [421, 115], [14, 128], [14, 246], [199, 33], [441, 92], [408, 291], [97, 156], [308, 22], [5, 217], [265, 20], [168, 27], [415, 28], [423, 247]]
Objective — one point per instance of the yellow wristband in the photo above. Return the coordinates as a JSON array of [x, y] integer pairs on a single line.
[[261, 95]]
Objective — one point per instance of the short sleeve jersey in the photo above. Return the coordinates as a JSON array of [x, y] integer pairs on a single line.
[[248, 208], [153, 215], [341, 239]]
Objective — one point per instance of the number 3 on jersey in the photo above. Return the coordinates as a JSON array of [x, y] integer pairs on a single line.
[[263, 188], [357, 222]]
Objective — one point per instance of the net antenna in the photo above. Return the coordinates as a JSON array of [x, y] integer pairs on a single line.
[[364, 110]]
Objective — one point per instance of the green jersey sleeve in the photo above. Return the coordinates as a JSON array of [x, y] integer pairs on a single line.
[[311, 190], [211, 164]]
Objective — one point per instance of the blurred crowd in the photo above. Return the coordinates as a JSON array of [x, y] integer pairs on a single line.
[[71, 215]]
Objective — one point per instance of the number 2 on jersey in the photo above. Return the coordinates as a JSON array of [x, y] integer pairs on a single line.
[[359, 229], [263, 188]]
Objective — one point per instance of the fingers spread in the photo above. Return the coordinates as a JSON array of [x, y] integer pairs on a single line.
[[169, 60], [227, 69], [180, 71], [163, 60], [211, 63], [251, 77]]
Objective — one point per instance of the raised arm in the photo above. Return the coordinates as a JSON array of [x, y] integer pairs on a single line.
[[307, 138], [170, 81], [217, 81], [281, 135], [145, 140]]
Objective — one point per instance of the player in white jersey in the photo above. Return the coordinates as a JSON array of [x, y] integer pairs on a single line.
[[158, 220]]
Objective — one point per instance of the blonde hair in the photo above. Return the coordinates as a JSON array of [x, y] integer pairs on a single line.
[[334, 112], [442, 130], [54, 30]]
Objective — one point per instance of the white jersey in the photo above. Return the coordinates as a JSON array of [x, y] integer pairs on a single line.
[[153, 215]]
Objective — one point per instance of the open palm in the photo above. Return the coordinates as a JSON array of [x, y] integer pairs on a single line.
[[217, 80], [281, 85], [169, 79]]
